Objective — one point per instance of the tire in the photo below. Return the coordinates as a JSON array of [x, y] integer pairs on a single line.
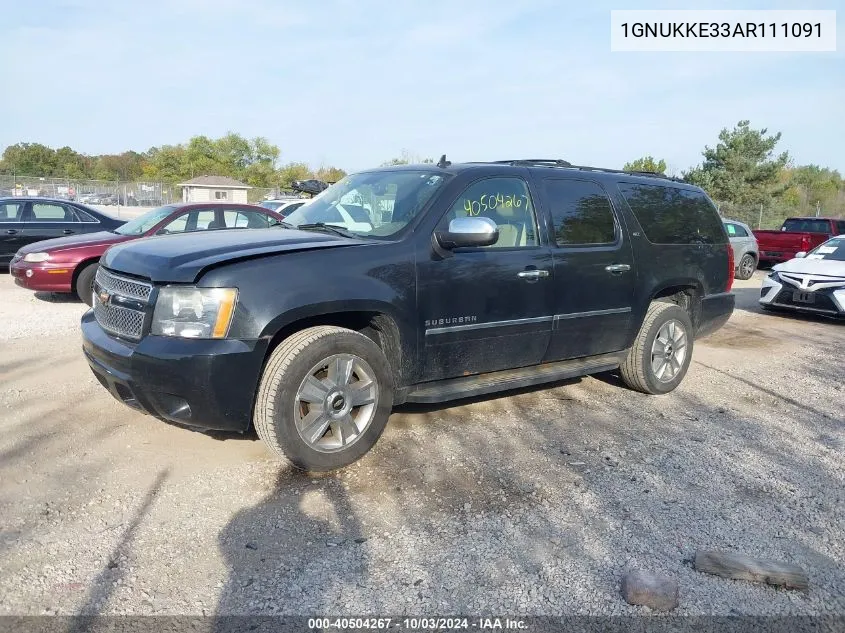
[[281, 409], [638, 370], [84, 285], [747, 266]]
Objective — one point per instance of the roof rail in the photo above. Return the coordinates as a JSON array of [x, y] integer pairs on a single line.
[[556, 162]]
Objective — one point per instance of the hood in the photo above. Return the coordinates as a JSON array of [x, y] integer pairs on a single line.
[[182, 258], [805, 266], [100, 238]]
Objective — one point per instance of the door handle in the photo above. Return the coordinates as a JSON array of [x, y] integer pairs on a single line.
[[617, 268], [11, 231], [532, 274], [68, 231]]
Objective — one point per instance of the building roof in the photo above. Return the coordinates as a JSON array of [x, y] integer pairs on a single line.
[[215, 181]]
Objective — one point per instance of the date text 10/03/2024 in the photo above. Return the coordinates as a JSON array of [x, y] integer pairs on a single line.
[[418, 624]]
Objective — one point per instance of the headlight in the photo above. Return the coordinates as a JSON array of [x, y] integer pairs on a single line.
[[36, 257], [773, 275], [194, 312]]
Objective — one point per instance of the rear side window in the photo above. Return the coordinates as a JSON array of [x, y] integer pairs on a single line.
[[45, 212], [581, 212], [671, 215], [806, 225], [840, 227], [735, 230]]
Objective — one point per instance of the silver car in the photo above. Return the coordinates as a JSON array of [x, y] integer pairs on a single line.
[[746, 254]]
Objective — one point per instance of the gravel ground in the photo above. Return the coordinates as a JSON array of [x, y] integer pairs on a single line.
[[535, 502]]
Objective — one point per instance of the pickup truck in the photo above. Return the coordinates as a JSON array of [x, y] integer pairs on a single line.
[[796, 235]]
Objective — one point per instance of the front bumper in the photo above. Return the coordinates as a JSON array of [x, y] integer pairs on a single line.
[[42, 276], [777, 294], [206, 384]]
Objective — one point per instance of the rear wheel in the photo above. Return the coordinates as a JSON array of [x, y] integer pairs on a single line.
[[324, 398], [84, 285], [747, 266], [661, 354]]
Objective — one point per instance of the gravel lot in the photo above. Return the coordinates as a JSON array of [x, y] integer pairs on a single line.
[[536, 502]]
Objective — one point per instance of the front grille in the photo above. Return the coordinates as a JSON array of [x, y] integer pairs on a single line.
[[119, 320], [126, 320], [821, 303], [130, 288]]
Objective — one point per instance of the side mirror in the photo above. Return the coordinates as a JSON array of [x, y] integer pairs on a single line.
[[800, 254], [468, 231]]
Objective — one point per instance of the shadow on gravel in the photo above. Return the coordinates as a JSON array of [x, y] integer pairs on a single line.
[[536, 502], [57, 297], [104, 585]]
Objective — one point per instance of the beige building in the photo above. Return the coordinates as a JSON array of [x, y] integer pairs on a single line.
[[214, 189]]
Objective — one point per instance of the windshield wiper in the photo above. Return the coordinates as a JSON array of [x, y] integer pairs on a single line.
[[337, 230], [281, 223]]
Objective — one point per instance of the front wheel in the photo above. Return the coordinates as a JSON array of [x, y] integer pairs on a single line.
[[746, 268], [324, 398], [84, 286], [662, 351]]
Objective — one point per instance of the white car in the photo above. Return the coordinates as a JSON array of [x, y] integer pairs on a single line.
[[811, 282], [284, 206]]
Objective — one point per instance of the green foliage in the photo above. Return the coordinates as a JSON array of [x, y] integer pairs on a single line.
[[407, 158], [291, 172], [251, 161], [742, 168], [330, 174], [646, 163]]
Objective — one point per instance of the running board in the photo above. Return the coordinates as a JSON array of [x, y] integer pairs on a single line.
[[480, 384]]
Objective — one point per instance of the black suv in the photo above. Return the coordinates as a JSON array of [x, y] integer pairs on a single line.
[[411, 284]]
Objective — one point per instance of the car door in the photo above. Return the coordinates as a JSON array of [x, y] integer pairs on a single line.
[[486, 308], [11, 228], [594, 270], [48, 219]]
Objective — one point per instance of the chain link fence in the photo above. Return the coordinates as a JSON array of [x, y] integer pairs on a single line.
[[95, 192], [772, 216]]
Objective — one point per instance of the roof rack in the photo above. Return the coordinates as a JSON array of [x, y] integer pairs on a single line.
[[556, 162]]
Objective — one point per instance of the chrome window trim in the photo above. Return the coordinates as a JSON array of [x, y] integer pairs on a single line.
[[526, 321]]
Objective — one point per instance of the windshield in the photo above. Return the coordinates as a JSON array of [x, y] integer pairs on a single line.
[[806, 225], [371, 204], [144, 223], [831, 250]]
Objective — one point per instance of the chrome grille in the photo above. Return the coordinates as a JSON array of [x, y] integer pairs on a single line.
[[119, 304], [119, 320], [122, 286]]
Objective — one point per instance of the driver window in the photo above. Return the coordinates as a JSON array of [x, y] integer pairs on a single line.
[[507, 202]]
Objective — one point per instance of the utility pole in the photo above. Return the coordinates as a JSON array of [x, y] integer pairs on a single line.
[[760, 219], [818, 207]]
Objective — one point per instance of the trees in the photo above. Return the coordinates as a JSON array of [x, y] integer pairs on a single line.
[[646, 163], [742, 169]]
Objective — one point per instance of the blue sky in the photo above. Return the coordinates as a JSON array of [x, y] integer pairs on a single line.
[[354, 83]]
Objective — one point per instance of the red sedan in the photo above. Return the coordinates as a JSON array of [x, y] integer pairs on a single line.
[[68, 264]]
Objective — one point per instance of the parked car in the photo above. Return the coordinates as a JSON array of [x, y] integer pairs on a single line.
[[796, 234], [489, 276], [69, 264], [283, 206], [811, 282], [25, 221], [745, 248]]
